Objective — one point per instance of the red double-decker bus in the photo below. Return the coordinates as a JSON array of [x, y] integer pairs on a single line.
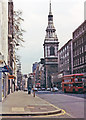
[[74, 83]]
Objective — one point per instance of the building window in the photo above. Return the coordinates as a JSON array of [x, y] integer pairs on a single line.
[[74, 63], [85, 47], [78, 52], [77, 42], [75, 45], [74, 53], [46, 51], [82, 49], [67, 53], [82, 39], [78, 61], [85, 58], [82, 59], [52, 50], [85, 69]]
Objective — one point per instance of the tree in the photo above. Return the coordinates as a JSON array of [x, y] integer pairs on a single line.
[[18, 31], [17, 35]]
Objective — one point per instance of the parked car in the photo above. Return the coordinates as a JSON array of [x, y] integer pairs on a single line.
[[38, 89], [25, 89], [54, 89], [42, 89], [51, 89], [48, 89], [35, 89]]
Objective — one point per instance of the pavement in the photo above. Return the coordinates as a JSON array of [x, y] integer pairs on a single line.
[[23, 104]]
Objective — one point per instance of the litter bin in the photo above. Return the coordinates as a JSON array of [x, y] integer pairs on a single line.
[[33, 93]]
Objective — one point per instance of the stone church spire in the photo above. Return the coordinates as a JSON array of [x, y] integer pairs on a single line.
[[50, 16], [50, 13], [50, 30], [50, 49]]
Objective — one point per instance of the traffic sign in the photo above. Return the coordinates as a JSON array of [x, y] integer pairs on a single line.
[[3, 69]]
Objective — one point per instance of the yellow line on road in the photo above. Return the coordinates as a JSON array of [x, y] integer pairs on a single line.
[[59, 114], [63, 111], [41, 116], [51, 115], [70, 115]]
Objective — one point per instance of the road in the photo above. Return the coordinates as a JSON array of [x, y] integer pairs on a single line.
[[73, 104]]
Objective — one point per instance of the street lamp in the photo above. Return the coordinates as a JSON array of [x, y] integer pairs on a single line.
[[1, 63]]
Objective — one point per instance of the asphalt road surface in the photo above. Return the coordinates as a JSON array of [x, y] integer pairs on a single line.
[[72, 104]]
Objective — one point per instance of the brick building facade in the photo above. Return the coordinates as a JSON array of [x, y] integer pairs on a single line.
[[79, 49], [65, 59]]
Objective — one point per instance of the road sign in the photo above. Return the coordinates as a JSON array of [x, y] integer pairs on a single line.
[[3, 69]]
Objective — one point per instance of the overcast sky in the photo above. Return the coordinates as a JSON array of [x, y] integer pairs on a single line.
[[68, 15]]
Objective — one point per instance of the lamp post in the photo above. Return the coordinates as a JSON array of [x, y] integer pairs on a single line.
[[1, 63], [0, 85]]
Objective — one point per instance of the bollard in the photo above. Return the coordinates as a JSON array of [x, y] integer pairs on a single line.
[[34, 93], [29, 92]]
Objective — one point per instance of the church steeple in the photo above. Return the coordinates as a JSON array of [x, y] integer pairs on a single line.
[[50, 13], [50, 49], [50, 30], [51, 33], [50, 16]]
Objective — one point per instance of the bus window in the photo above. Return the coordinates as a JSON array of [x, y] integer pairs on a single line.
[[65, 84], [71, 85], [79, 79], [76, 79], [74, 84], [83, 79], [78, 84]]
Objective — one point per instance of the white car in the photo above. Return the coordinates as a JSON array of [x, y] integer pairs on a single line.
[[35, 89], [54, 89], [48, 89], [39, 89], [25, 89], [42, 89]]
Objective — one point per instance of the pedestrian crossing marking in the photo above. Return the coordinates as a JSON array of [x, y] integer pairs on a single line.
[[17, 109]]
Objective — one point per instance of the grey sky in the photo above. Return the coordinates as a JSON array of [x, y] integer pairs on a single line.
[[68, 15]]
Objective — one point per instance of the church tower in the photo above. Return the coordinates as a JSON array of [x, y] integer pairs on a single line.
[[50, 50]]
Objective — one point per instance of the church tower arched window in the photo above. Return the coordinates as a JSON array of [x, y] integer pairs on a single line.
[[52, 50]]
